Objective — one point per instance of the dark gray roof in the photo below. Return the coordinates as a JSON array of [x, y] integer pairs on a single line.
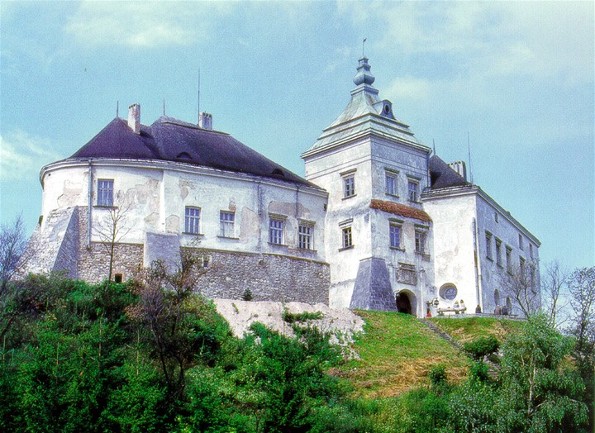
[[442, 176], [168, 139]]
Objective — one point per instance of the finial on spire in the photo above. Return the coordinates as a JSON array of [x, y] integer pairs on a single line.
[[363, 76], [364, 47]]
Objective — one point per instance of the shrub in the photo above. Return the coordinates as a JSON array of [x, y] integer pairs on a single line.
[[437, 375], [481, 347], [301, 317], [247, 295]]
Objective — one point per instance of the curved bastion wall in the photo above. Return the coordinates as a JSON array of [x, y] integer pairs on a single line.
[[229, 229]]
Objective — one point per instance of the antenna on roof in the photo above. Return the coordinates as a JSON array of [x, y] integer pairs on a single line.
[[164, 106], [198, 94], [364, 47], [117, 108], [469, 157], [434, 146]]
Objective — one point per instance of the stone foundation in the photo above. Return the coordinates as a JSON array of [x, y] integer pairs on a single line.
[[225, 274]]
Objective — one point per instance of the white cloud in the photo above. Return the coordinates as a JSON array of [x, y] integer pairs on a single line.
[[144, 24], [22, 155], [409, 89], [540, 39]]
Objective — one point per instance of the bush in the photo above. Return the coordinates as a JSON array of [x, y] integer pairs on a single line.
[[247, 295], [301, 317], [437, 375], [481, 347]]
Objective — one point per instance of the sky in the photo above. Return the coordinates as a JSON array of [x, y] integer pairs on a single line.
[[511, 81]]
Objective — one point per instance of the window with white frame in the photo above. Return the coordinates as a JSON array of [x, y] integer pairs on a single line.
[[420, 241], [192, 220], [346, 237], [390, 182], [227, 224], [413, 190], [305, 234], [489, 245], [105, 192], [522, 265], [498, 252], [276, 231], [509, 260], [394, 233], [348, 185]]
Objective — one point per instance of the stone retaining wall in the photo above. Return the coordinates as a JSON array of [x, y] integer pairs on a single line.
[[227, 274]]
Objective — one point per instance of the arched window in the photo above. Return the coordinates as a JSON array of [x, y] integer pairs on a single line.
[[497, 297]]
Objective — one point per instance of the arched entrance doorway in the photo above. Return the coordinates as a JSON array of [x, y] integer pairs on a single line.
[[405, 302]]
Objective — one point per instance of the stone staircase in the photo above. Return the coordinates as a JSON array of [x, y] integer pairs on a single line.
[[446, 337]]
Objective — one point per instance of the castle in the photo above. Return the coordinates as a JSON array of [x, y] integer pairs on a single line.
[[379, 222]]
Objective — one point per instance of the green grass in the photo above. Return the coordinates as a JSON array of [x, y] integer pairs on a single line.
[[396, 353], [471, 328]]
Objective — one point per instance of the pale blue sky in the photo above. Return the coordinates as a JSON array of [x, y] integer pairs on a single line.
[[516, 76]]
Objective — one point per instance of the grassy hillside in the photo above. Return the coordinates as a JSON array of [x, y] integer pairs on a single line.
[[397, 351], [470, 328]]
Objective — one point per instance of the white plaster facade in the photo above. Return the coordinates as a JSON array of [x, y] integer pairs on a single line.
[[156, 193], [476, 247]]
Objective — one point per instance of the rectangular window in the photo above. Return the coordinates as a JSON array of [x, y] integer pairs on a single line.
[[395, 235], [105, 192], [348, 186], [305, 236], [531, 250], [227, 222], [406, 274], [413, 190], [347, 239], [520, 242], [498, 252], [192, 220], [276, 231], [489, 245], [509, 259], [390, 183], [420, 242], [522, 265]]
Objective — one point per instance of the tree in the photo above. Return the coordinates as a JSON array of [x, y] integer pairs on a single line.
[[183, 328], [112, 228], [553, 288], [539, 393], [582, 291], [12, 247], [521, 285]]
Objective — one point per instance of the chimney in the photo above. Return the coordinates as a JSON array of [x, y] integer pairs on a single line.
[[459, 167], [134, 118], [205, 121]]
